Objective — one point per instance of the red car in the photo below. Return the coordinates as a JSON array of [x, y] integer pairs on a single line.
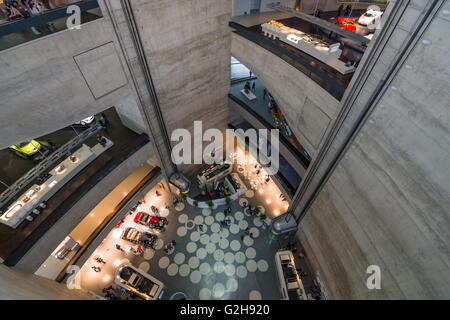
[[347, 23], [150, 221]]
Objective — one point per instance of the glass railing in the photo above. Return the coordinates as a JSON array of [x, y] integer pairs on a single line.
[[328, 78], [24, 23]]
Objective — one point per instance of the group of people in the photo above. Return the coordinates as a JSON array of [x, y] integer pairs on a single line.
[[18, 9]]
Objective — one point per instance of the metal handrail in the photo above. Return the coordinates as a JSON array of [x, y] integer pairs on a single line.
[[18, 185]]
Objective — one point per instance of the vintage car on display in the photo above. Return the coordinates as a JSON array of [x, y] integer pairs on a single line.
[[138, 282], [135, 236], [151, 221], [26, 149], [370, 17]]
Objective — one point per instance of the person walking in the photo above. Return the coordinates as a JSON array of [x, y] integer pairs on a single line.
[[254, 86], [264, 93]]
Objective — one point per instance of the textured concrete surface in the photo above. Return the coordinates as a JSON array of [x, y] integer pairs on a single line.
[[387, 202]]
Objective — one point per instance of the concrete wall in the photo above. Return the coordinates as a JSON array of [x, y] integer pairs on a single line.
[[308, 108], [237, 113], [40, 251], [54, 81], [16, 285], [387, 202]]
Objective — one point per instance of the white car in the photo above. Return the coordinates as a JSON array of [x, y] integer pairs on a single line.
[[86, 121], [370, 17], [138, 282]]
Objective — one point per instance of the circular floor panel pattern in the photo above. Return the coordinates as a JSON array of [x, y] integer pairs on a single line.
[[179, 258], [179, 206], [218, 255], [209, 220], [215, 227], [239, 257], [251, 265], [235, 245], [215, 238], [223, 243], [232, 285], [149, 253], [201, 253], [183, 218], [230, 270], [144, 266], [255, 232], [224, 233], [243, 224], [210, 247], [184, 270], [204, 294], [206, 211], [204, 239], [255, 295], [194, 262], [239, 215], [218, 290], [249, 193], [234, 228], [159, 244], [248, 241], [263, 266], [250, 253], [172, 269], [195, 236], [243, 202], [163, 262], [241, 272], [198, 220], [220, 216], [181, 231], [190, 224], [219, 267], [204, 268], [191, 247], [257, 222], [195, 276], [229, 257]]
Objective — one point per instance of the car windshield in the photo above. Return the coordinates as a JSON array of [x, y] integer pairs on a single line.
[[23, 144]]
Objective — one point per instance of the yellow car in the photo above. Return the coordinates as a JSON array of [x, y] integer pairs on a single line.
[[26, 149]]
